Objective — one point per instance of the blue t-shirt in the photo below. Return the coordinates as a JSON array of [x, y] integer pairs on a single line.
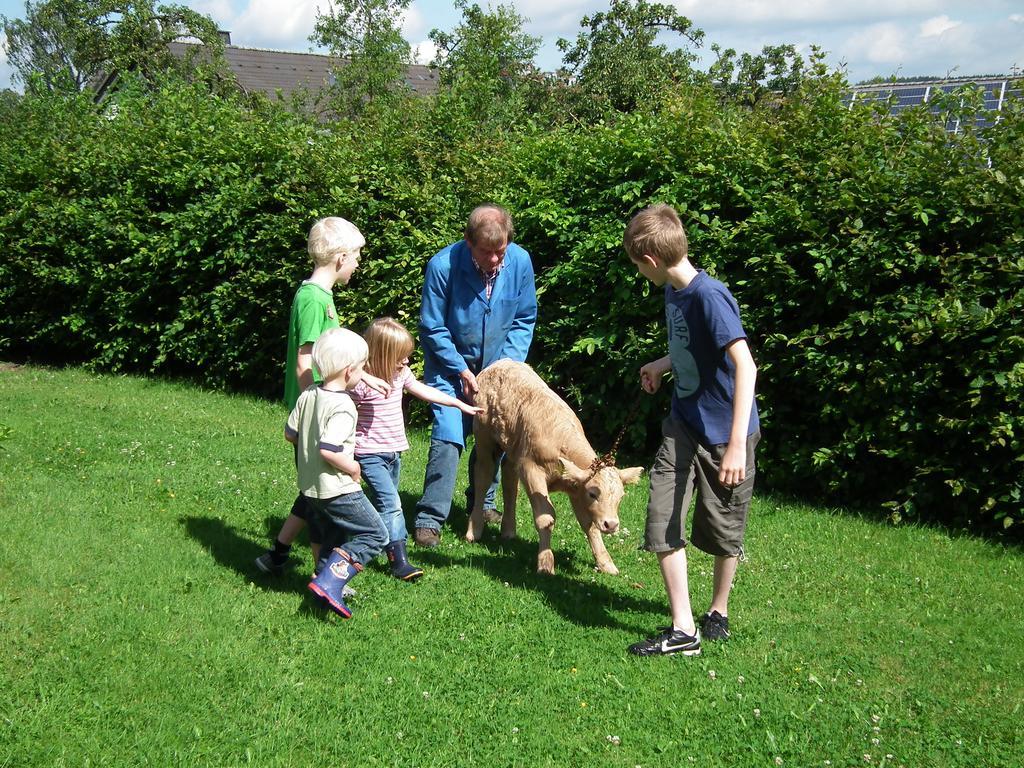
[[703, 319]]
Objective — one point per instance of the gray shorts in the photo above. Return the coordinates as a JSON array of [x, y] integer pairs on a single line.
[[681, 465]]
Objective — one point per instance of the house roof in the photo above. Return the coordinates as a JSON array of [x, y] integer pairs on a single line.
[[260, 70]]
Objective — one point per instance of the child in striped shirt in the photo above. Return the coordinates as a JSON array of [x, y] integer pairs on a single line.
[[380, 430]]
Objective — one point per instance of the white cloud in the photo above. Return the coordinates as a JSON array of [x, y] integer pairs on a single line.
[[938, 26], [424, 52], [414, 25], [285, 24], [6, 72], [775, 14], [221, 11], [884, 44], [1017, 18]]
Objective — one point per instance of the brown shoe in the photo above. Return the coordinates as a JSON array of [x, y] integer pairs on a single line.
[[492, 516], [427, 537]]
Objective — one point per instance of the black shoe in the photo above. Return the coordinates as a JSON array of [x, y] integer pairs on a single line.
[[268, 562], [714, 626], [669, 641]]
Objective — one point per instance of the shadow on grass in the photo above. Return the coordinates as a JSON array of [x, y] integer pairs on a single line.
[[570, 592], [237, 552]]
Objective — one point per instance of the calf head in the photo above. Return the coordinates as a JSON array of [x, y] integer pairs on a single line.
[[595, 496]]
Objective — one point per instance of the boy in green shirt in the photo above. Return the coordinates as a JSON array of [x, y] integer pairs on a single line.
[[334, 245]]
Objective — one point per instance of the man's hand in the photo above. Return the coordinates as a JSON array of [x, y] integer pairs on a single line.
[[469, 386]]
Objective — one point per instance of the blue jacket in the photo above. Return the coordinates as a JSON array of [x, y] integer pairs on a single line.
[[459, 328]]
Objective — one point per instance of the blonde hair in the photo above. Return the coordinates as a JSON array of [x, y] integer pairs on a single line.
[[332, 237], [489, 225], [389, 342], [656, 231], [336, 350]]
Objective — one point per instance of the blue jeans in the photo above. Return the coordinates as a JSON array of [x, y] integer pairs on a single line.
[[349, 521], [439, 485], [381, 471]]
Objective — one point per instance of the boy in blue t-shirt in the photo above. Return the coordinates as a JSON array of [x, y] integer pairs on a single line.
[[709, 436]]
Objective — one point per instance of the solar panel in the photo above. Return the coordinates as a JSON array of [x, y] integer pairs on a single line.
[[994, 93]]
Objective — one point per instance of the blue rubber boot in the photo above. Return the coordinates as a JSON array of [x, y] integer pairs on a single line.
[[329, 584], [400, 567]]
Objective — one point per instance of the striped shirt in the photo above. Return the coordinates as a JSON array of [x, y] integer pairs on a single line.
[[380, 427], [489, 279]]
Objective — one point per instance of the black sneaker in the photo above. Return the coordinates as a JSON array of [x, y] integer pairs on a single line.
[[669, 641], [714, 626], [268, 563]]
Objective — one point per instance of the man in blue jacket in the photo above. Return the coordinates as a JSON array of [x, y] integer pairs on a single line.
[[479, 306]]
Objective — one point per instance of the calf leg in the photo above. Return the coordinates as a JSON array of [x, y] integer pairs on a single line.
[[596, 539], [483, 474], [509, 494], [543, 518]]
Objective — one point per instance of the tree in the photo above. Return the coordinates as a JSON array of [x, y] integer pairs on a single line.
[[366, 35], [67, 45], [616, 63], [778, 70], [486, 62]]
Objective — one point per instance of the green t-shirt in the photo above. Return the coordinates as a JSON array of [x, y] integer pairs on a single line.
[[312, 313]]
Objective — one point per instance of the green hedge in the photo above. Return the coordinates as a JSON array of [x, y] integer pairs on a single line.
[[878, 262]]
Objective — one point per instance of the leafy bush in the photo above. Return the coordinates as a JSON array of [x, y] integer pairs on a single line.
[[878, 262]]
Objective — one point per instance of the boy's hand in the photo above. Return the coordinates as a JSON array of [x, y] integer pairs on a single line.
[[356, 473], [651, 374], [377, 385], [733, 469]]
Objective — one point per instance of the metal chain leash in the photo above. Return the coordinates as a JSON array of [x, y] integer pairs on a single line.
[[608, 460]]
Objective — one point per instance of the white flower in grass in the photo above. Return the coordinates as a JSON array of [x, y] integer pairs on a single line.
[[712, 674], [867, 758], [740, 680], [875, 719], [778, 760], [426, 694], [390, 681], [875, 742], [757, 713], [515, 729], [615, 740]]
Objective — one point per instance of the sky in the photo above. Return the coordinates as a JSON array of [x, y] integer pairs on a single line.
[[865, 38]]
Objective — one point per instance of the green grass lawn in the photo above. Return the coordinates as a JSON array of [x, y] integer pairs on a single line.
[[134, 630]]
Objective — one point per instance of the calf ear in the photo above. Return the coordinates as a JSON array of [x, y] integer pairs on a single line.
[[571, 472], [630, 475]]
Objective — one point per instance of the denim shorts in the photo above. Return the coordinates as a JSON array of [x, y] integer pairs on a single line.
[[682, 466], [348, 521]]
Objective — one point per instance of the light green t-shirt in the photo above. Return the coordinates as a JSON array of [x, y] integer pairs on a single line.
[[312, 313], [323, 419]]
